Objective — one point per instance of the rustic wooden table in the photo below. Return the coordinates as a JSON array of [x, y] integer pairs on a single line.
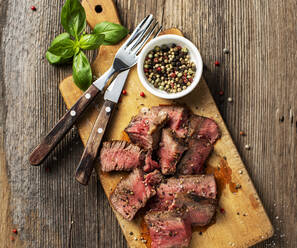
[[50, 209]]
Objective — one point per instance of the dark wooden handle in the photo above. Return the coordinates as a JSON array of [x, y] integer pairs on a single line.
[[86, 164], [62, 127]]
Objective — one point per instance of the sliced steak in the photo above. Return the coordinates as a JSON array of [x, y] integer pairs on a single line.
[[170, 152], [131, 194], [200, 185], [203, 127], [178, 118], [149, 163], [120, 155], [199, 210], [144, 129], [168, 230], [194, 158], [154, 178]]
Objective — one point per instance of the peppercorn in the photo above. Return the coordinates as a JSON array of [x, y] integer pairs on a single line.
[[142, 94], [157, 48], [164, 68], [222, 210], [124, 92]]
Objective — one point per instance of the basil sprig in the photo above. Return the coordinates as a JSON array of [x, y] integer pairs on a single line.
[[69, 46]]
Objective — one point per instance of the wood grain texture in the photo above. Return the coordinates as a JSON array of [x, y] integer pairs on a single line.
[[57, 133], [259, 74]]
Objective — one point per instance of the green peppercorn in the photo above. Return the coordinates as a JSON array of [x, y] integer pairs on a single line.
[[157, 48], [184, 50]]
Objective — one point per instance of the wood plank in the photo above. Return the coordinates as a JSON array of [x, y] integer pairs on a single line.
[[259, 74], [246, 229]]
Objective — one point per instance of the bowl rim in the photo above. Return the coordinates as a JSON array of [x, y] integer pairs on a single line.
[[175, 39]]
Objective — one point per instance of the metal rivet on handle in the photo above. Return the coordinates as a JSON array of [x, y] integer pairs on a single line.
[[100, 130], [107, 109], [72, 113], [88, 96]]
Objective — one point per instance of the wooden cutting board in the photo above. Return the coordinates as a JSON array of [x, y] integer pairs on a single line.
[[241, 220]]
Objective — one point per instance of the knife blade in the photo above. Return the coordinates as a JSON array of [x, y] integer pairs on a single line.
[[114, 90], [111, 98]]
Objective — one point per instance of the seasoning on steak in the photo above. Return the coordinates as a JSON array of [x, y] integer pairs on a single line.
[[131, 194], [178, 118], [149, 163], [203, 127], [170, 152], [200, 185], [194, 158], [120, 155], [199, 210], [154, 178], [168, 230], [144, 129]]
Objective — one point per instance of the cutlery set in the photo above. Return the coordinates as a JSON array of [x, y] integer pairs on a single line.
[[125, 58]]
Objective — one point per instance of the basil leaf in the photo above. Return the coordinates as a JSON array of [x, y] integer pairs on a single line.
[[113, 32], [91, 41], [54, 59], [82, 73], [63, 48], [73, 17]]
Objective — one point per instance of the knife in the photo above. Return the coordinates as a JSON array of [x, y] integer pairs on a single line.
[[111, 98]]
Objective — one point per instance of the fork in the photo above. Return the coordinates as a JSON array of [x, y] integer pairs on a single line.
[[124, 59]]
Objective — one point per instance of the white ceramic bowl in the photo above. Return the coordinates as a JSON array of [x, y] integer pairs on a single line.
[[168, 40]]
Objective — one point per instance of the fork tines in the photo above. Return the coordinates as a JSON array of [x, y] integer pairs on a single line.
[[141, 34]]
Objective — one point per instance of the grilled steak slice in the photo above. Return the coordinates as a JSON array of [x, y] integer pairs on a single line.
[[131, 194], [203, 127], [170, 152], [150, 164], [200, 185], [154, 178], [144, 129], [178, 118], [120, 155], [199, 210], [168, 230], [194, 158]]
